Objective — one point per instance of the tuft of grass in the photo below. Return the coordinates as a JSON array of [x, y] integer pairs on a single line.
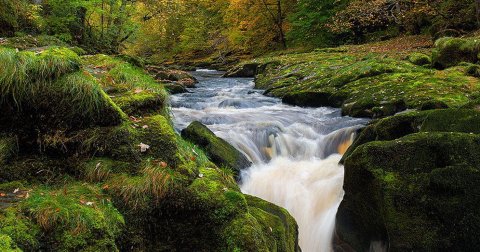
[[23, 74], [142, 190]]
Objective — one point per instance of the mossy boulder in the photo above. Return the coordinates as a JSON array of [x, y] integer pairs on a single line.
[[140, 102], [158, 134], [442, 120], [243, 70], [45, 92], [418, 192], [451, 51], [219, 151], [420, 59]]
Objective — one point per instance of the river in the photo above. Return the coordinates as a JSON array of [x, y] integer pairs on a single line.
[[295, 151]]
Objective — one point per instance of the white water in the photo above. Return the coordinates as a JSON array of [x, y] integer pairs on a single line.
[[294, 150]]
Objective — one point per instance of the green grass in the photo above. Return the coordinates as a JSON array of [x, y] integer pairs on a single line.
[[145, 189], [24, 73], [76, 216]]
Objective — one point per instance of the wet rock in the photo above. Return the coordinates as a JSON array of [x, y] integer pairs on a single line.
[[219, 150], [181, 77], [175, 88]]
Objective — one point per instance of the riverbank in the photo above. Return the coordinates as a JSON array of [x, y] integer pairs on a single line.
[[90, 161], [373, 80]]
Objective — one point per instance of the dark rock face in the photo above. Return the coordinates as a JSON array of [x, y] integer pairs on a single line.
[[412, 183], [220, 152], [246, 70]]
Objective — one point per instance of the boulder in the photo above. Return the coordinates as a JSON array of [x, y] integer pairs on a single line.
[[412, 183], [420, 59], [450, 52], [245, 70], [219, 150], [180, 77], [175, 88]]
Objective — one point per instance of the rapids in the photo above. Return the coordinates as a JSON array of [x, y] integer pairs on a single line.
[[295, 151]]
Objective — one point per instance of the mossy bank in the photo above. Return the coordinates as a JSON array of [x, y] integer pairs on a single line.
[[374, 80], [90, 162]]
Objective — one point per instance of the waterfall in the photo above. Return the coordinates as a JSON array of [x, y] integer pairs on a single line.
[[295, 151], [310, 188]]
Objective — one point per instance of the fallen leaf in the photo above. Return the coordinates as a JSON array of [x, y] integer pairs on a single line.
[[143, 147], [138, 90], [163, 164], [105, 187]]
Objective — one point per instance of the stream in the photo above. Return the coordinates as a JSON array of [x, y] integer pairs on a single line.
[[295, 151]]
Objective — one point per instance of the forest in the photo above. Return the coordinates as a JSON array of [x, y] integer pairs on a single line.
[[239, 125]]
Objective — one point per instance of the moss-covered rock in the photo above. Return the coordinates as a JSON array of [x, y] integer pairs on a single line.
[[181, 77], [283, 229], [220, 152], [46, 92], [420, 59], [158, 134], [443, 120], [75, 217], [362, 84], [140, 102], [451, 51], [243, 70], [418, 192]]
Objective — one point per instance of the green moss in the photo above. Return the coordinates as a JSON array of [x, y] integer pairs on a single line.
[[75, 217], [161, 138], [451, 51], [45, 92], [417, 184], [140, 103], [364, 85], [443, 120], [420, 59], [220, 152], [278, 225], [22, 231], [6, 244]]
